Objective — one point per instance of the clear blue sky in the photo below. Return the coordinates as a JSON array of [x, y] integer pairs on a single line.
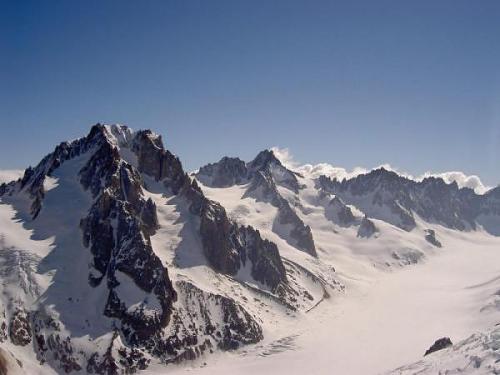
[[412, 83]]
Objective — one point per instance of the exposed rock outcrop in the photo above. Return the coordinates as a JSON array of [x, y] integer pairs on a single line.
[[226, 172], [367, 228], [235, 329], [439, 344], [20, 328], [430, 236], [157, 162], [338, 212]]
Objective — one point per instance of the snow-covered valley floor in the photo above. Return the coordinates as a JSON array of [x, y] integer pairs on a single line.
[[384, 320]]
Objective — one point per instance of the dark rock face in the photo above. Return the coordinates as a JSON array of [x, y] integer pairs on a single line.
[[20, 328], [454, 207], [367, 228], [490, 203], [229, 246], [3, 327], [339, 213], [117, 231], [267, 266], [216, 233], [300, 232], [226, 172], [430, 236], [157, 162], [490, 209], [432, 199], [440, 344], [237, 326], [240, 328]]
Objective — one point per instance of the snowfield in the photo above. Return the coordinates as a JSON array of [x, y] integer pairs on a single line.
[[386, 320], [401, 294]]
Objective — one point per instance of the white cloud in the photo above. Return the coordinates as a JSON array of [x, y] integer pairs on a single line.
[[285, 156], [462, 180], [329, 170], [316, 170], [8, 175]]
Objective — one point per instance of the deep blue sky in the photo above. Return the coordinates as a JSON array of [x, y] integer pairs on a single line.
[[412, 83]]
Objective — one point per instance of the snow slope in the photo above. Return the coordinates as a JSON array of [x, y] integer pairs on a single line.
[[477, 354], [401, 292], [384, 320]]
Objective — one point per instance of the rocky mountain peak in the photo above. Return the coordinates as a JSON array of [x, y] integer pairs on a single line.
[[226, 172], [266, 162], [264, 159], [367, 228]]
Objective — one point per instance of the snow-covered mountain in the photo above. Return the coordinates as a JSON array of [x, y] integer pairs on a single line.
[[378, 194], [113, 259]]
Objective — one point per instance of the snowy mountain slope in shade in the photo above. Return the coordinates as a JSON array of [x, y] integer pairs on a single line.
[[113, 259]]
